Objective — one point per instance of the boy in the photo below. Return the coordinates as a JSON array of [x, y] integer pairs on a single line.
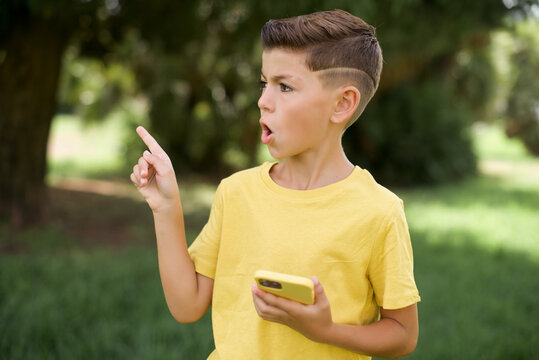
[[311, 213]]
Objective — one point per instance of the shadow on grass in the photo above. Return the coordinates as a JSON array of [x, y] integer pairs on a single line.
[[85, 284], [86, 219], [92, 305], [476, 303]]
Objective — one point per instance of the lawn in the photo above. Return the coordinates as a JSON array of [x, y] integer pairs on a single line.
[[476, 249], [86, 285]]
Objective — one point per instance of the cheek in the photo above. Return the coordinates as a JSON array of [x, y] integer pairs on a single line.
[[303, 114], [312, 113], [300, 108]]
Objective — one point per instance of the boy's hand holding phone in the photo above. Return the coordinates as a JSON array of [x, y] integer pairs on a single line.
[[154, 175], [292, 287], [313, 321]]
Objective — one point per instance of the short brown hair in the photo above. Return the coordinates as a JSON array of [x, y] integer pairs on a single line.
[[341, 46]]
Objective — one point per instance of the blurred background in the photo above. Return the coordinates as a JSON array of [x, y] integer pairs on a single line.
[[453, 130]]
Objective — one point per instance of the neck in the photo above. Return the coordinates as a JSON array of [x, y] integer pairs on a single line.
[[313, 170]]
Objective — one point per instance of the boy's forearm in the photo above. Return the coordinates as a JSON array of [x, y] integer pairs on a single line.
[[176, 268], [386, 338]]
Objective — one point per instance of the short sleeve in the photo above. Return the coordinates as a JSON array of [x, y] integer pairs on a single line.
[[391, 268], [205, 249]]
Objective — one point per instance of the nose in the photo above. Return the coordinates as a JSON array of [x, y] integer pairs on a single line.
[[265, 103]]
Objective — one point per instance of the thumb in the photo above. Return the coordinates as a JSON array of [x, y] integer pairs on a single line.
[[319, 293], [160, 165]]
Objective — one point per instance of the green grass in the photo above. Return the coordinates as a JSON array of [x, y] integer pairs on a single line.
[[476, 263], [476, 249], [476, 253], [98, 305]]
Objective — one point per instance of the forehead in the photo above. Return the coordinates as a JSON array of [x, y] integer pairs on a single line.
[[280, 62]]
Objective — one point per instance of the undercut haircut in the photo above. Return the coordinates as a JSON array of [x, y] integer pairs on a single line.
[[339, 46]]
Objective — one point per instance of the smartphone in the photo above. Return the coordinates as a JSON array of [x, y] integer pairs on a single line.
[[292, 287]]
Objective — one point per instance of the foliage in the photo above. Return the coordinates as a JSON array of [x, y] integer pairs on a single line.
[[475, 82], [92, 89], [197, 62], [202, 91], [415, 133], [522, 114], [203, 101]]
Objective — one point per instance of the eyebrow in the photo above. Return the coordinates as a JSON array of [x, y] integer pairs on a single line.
[[277, 78]]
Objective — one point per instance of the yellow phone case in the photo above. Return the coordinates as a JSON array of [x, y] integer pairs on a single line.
[[292, 287]]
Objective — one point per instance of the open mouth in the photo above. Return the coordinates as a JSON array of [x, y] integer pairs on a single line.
[[267, 134]]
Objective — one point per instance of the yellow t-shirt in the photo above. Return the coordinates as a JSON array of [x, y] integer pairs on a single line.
[[351, 234]]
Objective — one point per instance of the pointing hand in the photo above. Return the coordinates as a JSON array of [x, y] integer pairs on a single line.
[[154, 176]]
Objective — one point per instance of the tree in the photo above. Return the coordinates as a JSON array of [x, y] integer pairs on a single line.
[[33, 37], [200, 70], [31, 48], [422, 44], [522, 112]]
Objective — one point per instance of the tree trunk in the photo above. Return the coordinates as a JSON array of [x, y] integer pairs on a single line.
[[30, 60]]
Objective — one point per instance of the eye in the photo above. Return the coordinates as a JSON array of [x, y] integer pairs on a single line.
[[285, 88], [263, 84]]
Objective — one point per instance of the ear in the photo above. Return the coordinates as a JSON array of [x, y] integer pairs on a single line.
[[347, 102]]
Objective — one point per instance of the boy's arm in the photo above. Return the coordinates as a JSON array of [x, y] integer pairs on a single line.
[[393, 336], [188, 294]]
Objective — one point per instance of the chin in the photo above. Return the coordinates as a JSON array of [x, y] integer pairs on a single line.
[[274, 153], [279, 155]]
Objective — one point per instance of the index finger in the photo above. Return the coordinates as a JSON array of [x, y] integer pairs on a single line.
[[149, 141]]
